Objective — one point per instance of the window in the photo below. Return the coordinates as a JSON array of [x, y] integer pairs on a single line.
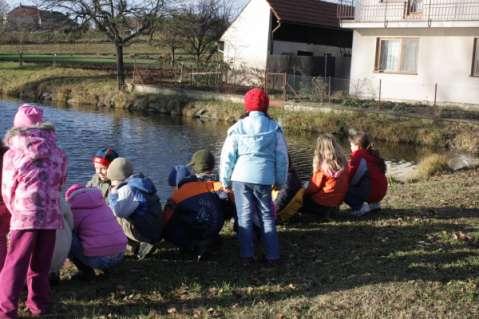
[[398, 55], [414, 7], [475, 58]]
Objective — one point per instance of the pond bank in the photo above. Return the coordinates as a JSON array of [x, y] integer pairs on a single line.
[[94, 88]]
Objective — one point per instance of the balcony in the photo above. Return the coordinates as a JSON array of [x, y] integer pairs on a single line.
[[413, 12]]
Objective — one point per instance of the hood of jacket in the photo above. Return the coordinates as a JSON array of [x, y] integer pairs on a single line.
[[256, 124], [35, 142], [141, 183], [86, 198]]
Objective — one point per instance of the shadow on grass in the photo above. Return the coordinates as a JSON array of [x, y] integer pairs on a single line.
[[319, 258]]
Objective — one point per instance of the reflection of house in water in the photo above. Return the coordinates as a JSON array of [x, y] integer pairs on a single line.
[[34, 19], [417, 50], [295, 37]]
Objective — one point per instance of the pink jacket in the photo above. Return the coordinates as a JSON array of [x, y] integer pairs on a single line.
[[95, 224], [4, 213], [34, 169]]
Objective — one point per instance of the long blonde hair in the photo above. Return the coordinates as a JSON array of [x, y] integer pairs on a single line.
[[328, 154]]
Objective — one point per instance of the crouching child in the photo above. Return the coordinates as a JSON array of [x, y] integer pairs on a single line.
[[197, 209], [136, 205], [98, 242]]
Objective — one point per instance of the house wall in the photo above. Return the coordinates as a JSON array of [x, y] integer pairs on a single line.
[[246, 40], [444, 58]]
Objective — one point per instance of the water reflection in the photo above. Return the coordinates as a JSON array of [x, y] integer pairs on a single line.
[[154, 143]]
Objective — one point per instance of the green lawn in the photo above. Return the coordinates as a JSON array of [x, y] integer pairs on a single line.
[[406, 262]]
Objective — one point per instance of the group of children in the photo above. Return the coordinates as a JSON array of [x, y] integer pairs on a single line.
[[93, 224]]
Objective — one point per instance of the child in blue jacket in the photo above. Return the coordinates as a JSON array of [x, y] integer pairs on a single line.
[[254, 158]]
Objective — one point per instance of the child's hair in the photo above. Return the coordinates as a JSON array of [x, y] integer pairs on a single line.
[[246, 114], [361, 139], [328, 152]]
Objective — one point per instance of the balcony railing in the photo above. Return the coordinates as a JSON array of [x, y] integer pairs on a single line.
[[412, 10]]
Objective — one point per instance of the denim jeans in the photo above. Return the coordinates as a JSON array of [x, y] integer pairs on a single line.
[[97, 262], [359, 193], [253, 199]]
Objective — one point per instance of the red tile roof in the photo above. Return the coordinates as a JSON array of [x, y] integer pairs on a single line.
[[309, 12], [24, 11]]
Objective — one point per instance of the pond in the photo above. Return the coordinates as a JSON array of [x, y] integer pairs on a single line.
[[154, 143]]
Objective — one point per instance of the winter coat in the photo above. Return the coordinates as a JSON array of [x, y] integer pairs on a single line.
[[254, 151], [34, 169], [95, 224], [4, 213], [197, 209], [136, 200], [327, 190], [362, 165], [103, 186], [63, 240]]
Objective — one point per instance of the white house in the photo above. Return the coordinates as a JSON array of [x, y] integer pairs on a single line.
[[266, 29], [414, 50]]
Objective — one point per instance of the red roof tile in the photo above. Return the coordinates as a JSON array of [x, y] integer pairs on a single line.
[[310, 12], [24, 11]]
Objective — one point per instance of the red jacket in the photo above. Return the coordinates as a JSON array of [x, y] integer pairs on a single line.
[[379, 183], [4, 213], [328, 190]]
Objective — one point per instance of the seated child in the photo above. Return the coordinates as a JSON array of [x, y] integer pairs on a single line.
[[98, 242], [196, 210], [4, 215], [368, 183], [63, 243], [329, 183], [288, 200], [101, 161], [136, 205]]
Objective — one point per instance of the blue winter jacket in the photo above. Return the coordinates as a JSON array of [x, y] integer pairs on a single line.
[[254, 151]]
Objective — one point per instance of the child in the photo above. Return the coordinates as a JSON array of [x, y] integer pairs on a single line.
[[368, 182], [288, 200], [329, 183], [101, 161], [197, 208], [253, 159], [4, 214], [63, 243], [134, 201], [34, 169], [98, 241]]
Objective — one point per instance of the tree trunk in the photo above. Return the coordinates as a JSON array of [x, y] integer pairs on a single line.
[[120, 67], [173, 56], [20, 58]]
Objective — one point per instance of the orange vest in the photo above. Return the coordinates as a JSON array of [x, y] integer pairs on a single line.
[[328, 190]]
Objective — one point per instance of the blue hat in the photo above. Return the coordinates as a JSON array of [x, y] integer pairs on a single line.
[[105, 156], [177, 174]]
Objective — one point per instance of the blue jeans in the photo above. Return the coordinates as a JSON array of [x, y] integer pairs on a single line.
[[97, 262], [359, 193], [253, 199]]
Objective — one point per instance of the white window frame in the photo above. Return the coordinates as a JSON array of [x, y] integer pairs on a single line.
[[377, 62], [475, 56]]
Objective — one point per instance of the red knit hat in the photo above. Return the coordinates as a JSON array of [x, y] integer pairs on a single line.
[[256, 99]]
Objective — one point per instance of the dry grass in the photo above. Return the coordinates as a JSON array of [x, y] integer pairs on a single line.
[[404, 262], [432, 164]]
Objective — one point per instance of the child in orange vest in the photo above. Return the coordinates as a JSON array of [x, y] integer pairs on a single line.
[[329, 183]]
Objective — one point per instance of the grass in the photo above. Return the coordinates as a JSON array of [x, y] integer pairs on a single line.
[[432, 164], [404, 262]]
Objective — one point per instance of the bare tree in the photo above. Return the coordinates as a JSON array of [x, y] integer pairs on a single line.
[[166, 33], [3, 15], [120, 20], [201, 24]]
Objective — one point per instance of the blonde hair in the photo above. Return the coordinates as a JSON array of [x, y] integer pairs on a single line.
[[329, 154]]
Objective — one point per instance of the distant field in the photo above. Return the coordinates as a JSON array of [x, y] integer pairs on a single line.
[[74, 59]]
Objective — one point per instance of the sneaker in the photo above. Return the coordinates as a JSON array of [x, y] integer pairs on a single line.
[[375, 206], [271, 263], [144, 250], [361, 212]]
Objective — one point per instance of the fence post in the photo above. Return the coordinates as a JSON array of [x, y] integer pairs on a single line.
[[180, 80], [435, 94], [379, 96], [325, 65], [329, 90], [285, 83]]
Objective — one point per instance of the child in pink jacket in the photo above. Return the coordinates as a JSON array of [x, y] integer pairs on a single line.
[[98, 240], [4, 215], [34, 169]]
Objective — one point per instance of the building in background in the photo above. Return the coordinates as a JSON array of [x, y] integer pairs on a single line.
[[414, 50], [300, 37], [33, 19]]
